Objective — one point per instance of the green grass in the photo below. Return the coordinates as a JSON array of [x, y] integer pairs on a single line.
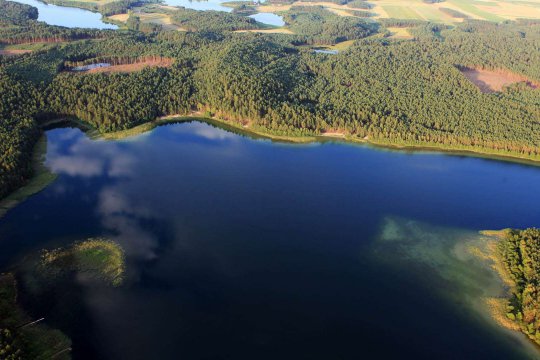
[[98, 259], [102, 257], [433, 14], [466, 5], [401, 12]]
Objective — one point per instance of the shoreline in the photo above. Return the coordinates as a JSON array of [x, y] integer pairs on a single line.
[[469, 151], [42, 177], [494, 307]]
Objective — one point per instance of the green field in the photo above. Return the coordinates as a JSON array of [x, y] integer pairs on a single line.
[[469, 7], [401, 12]]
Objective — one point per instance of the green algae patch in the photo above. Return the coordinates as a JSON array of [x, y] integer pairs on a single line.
[[94, 259]]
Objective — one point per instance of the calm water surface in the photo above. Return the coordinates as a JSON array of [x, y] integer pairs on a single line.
[[68, 16], [200, 5], [269, 19], [246, 249]]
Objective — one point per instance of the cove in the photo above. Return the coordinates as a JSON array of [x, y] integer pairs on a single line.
[[246, 248], [68, 16]]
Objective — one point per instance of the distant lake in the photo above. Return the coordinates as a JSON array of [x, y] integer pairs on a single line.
[[200, 5], [243, 248], [68, 16], [269, 19]]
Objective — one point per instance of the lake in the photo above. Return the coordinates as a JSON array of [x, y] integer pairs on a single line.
[[68, 16], [200, 5], [243, 248], [269, 19]]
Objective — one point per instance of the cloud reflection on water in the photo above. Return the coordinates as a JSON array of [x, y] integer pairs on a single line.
[[83, 157]]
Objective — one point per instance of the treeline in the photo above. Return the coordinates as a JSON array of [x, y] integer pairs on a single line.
[[116, 60], [107, 8], [18, 132], [520, 253], [111, 102], [134, 23], [33, 31], [316, 25], [193, 20], [392, 92], [17, 13]]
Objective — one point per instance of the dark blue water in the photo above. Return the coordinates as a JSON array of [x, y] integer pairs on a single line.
[[246, 249]]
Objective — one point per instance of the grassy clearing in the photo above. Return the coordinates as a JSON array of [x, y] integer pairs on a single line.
[[400, 33], [126, 68], [119, 17], [344, 45], [42, 177]]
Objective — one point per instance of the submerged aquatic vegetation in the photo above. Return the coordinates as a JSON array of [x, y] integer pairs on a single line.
[[492, 273], [98, 258]]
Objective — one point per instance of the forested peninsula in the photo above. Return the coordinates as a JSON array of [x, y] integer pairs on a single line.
[[387, 91], [517, 261]]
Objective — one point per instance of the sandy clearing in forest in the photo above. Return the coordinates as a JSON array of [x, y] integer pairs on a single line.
[[14, 52], [333, 134], [400, 33], [489, 81], [340, 12], [131, 67], [119, 17]]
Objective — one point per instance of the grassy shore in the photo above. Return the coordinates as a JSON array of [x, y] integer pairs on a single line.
[[42, 177]]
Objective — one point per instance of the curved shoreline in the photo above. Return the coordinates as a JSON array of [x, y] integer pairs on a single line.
[[35, 185], [381, 144]]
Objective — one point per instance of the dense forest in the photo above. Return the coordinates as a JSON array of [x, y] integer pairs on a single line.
[[107, 8], [393, 92], [520, 252], [16, 13], [193, 20], [316, 25]]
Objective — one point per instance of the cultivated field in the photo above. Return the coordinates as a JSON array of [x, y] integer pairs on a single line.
[[491, 10]]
